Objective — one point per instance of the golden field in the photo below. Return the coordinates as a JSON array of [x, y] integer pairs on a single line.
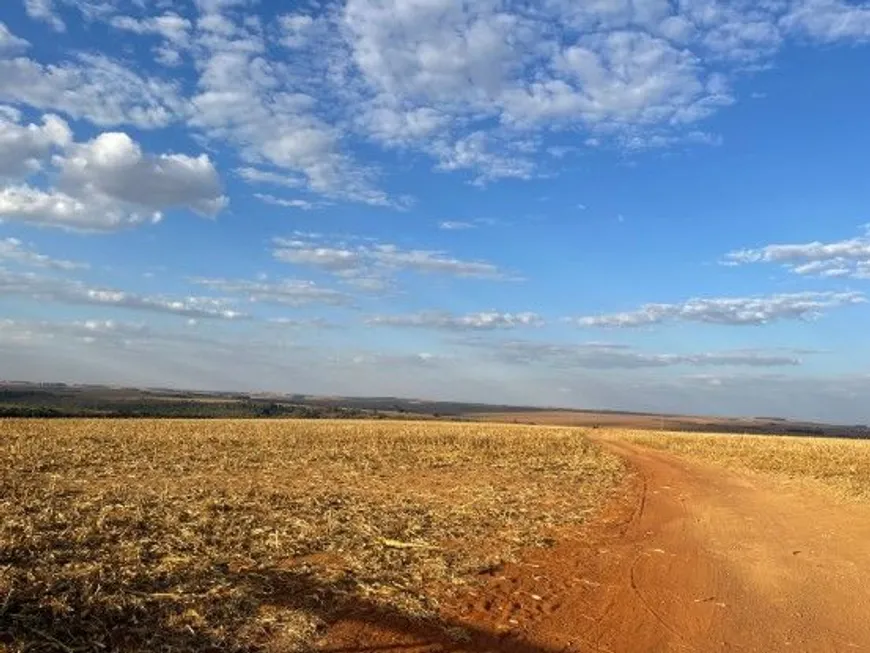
[[244, 535], [841, 465]]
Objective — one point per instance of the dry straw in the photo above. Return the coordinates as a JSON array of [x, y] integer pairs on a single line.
[[150, 535]]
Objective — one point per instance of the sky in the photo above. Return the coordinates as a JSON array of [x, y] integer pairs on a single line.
[[652, 205]]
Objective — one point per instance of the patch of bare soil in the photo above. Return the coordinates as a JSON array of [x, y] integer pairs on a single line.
[[691, 557]]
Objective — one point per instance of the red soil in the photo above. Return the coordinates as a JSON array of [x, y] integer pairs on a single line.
[[690, 557]]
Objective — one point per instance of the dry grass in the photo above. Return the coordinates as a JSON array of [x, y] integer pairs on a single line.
[[840, 464], [149, 535]]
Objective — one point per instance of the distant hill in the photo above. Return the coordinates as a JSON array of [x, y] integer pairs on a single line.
[[22, 399]]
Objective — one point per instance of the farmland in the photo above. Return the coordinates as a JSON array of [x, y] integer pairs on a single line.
[[839, 465], [361, 535], [146, 535]]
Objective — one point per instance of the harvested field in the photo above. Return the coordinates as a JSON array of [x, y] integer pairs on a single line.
[[691, 555], [840, 464], [150, 535]]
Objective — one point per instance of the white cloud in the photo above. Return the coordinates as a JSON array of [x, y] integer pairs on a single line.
[[14, 251], [728, 310], [477, 152], [115, 166], [400, 128], [23, 148], [9, 43], [168, 56], [608, 15], [24, 203], [743, 38], [467, 84], [829, 20], [216, 6], [194, 359], [296, 323], [43, 10], [478, 87], [19, 332], [92, 87], [103, 184], [303, 205], [377, 261], [333, 259], [456, 225], [621, 77], [297, 30], [434, 50], [433, 262], [844, 258], [113, 338], [264, 108], [602, 356], [86, 331], [287, 292], [172, 30], [169, 26], [429, 67], [259, 176], [44, 288], [483, 321]]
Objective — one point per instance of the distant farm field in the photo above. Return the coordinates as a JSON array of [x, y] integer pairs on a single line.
[[150, 535]]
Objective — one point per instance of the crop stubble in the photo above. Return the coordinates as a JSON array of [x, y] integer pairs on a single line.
[[148, 535], [839, 465]]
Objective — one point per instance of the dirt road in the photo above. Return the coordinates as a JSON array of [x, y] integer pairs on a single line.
[[692, 557]]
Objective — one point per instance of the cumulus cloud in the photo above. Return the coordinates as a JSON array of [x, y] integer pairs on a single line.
[[295, 203], [477, 152], [432, 262], [401, 128], [376, 261], [31, 205], [262, 107], [297, 323], [114, 165], [85, 331], [91, 87], [843, 258], [429, 66], [829, 20], [287, 292], [13, 250], [483, 321], [637, 73], [728, 310], [24, 147], [260, 176], [305, 252], [612, 356], [621, 77], [103, 184], [169, 26], [455, 225], [478, 87], [44, 10], [68, 291], [172, 30], [9, 43]]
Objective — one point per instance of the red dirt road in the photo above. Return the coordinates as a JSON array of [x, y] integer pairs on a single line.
[[692, 557]]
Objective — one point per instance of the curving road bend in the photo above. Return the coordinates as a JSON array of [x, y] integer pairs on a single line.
[[692, 557]]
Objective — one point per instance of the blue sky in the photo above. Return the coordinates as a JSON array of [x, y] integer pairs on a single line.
[[631, 204]]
